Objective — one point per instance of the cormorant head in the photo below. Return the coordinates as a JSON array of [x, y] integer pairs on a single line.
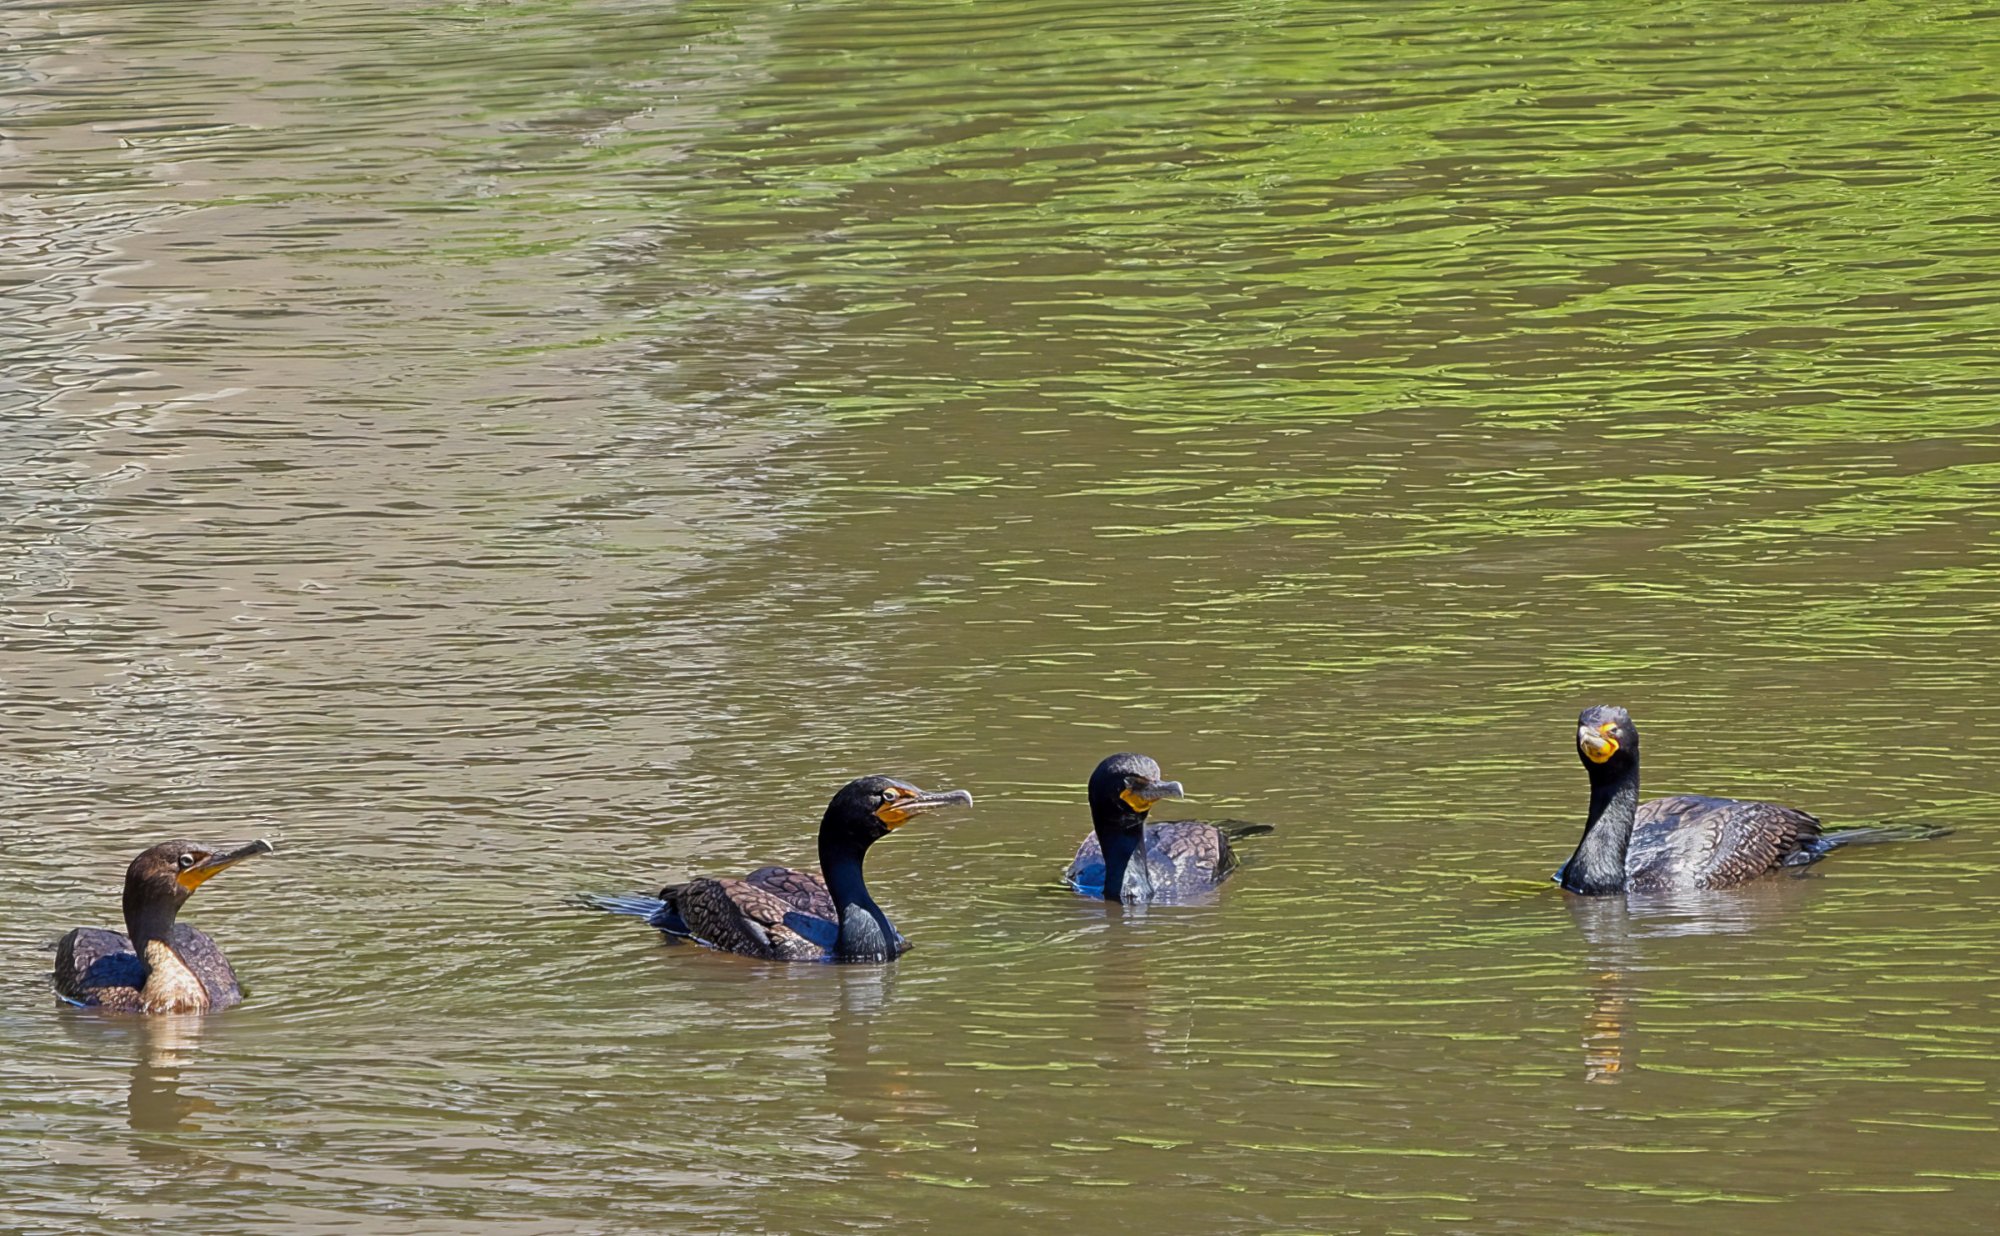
[[161, 880], [870, 808], [1606, 738], [1124, 788]]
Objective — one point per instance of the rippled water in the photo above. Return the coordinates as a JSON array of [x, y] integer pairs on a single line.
[[498, 450]]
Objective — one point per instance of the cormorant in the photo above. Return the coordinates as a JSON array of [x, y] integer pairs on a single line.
[[161, 966], [1126, 859], [1688, 841], [782, 914]]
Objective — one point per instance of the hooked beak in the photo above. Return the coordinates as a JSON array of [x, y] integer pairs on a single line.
[[900, 812], [1141, 797], [194, 877], [1597, 745]]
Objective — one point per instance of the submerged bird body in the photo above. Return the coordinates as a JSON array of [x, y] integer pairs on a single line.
[[1179, 857], [783, 914], [157, 965], [184, 972], [777, 913], [1688, 841], [1125, 858]]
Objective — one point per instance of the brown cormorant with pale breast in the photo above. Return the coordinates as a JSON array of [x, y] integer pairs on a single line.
[[1127, 859], [1688, 841], [159, 966], [782, 914]]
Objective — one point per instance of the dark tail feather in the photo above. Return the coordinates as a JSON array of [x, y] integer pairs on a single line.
[[669, 918], [635, 904], [1877, 834], [1237, 830]]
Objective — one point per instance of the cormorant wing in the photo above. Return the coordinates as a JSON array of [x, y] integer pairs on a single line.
[[91, 960], [1086, 871], [742, 917], [799, 888], [1195, 854], [1690, 840]]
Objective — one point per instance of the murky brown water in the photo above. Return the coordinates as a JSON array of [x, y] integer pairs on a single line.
[[500, 450]]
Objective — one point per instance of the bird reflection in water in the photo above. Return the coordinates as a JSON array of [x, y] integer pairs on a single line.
[[156, 1102], [869, 1095], [1616, 929], [161, 1045], [1127, 1031], [1608, 1050]]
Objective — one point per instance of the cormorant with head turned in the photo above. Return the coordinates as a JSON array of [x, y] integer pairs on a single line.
[[1127, 859], [786, 915], [1688, 841], [159, 966]]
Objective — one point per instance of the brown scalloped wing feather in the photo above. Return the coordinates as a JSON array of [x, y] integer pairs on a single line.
[[1197, 854], [803, 889], [1689, 841], [738, 916]]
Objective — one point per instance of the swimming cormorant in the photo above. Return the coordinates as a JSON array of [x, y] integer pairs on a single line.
[[1688, 841], [782, 914], [1126, 859], [160, 966]]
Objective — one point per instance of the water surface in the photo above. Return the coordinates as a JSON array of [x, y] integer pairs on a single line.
[[503, 450]]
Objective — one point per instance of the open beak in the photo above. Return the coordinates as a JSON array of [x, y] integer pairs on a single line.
[[1597, 745], [1141, 797], [194, 877], [896, 814]]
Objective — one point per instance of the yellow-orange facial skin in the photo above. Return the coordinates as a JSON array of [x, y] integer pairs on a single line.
[[194, 877], [1598, 746], [209, 864], [892, 813], [1140, 793], [905, 805], [1137, 801]]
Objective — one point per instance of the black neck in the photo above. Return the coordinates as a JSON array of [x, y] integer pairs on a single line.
[[149, 919], [1598, 866], [149, 915], [1121, 835], [864, 929]]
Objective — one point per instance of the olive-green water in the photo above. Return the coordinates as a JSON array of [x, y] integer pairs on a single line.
[[498, 450]]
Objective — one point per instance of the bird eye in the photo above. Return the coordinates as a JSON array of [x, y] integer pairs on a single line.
[[187, 860]]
